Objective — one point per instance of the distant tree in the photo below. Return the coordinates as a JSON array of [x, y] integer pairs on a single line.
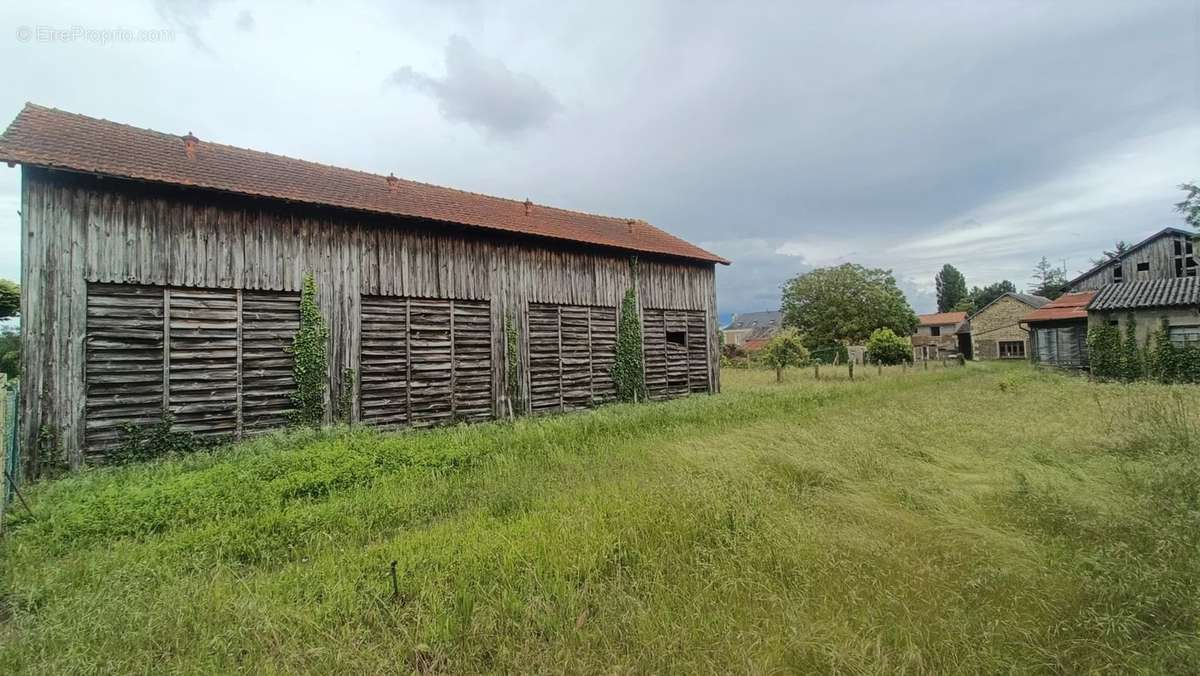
[[951, 288], [845, 303], [885, 347], [980, 297], [10, 299], [1048, 281], [1190, 206], [1117, 251], [10, 354], [783, 350]]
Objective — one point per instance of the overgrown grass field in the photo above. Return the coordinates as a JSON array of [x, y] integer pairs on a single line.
[[964, 520]]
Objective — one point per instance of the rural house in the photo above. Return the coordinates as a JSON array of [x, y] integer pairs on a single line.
[[163, 272], [938, 335], [752, 329], [1152, 304], [1167, 254], [1058, 331], [996, 330]]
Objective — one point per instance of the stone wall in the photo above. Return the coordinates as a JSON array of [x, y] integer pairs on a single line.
[[999, 322]]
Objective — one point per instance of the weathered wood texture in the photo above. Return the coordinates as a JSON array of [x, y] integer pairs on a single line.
[[224, 370], [79, 230], [676, 348], [571, 349], [1170, 255], [425, 362]]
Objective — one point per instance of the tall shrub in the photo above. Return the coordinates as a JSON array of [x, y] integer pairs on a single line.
[[783, 350], [309, 361], [627, 370], [885, 347]]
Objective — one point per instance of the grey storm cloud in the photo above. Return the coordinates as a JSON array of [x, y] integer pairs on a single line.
[[482, 91], [783, 135]]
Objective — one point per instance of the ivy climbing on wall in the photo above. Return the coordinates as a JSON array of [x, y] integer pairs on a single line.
[[310, 363], [512, 369], [627, 371]]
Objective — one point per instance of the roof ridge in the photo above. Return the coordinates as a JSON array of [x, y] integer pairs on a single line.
[[55, 138], [326, 165]]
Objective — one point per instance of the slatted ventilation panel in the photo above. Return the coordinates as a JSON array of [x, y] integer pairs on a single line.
[[124, 364], [203, 361], [425, 362], [222, 380], [675, 352], [269, 322], [571, 349]]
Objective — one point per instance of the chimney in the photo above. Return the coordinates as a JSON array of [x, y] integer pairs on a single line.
[[189, 145], [528, 206], [630, 224], [393, 183]]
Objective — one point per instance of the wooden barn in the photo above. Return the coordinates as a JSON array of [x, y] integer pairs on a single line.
[[163, 272]]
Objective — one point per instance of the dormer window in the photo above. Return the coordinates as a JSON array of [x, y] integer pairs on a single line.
[[1117, 275]]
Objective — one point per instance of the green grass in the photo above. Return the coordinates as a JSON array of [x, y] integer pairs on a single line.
[[979, 520]]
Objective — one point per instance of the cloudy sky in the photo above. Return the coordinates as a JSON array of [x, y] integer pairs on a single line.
[[894, 134]]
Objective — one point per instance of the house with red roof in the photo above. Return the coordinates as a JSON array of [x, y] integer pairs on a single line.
[[938, 334]]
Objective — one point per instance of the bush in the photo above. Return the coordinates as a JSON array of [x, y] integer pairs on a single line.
[[885, 347], [10, 354], [784, 350]]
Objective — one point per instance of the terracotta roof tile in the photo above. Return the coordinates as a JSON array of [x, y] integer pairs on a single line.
[[1066, 306], [53, 138], [942, 318]]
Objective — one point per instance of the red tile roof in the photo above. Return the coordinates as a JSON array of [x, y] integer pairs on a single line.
[[53, 138], [942, 318], [1066, 306]]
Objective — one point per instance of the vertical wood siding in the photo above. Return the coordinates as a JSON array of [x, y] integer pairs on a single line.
[[79, 230]]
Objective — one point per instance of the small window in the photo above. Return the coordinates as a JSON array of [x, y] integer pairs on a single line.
[[1117, 274], [935, 330], [1184, 335], [1012, 349], [1178, 247], [1144, 266], [677, 337], [1187, 248]]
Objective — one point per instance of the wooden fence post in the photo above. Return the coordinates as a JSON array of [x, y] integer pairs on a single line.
[[879, 368], [817, 370], [851, 363]]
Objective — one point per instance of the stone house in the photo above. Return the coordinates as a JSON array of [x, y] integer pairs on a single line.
[[938, 334], [996, 329]]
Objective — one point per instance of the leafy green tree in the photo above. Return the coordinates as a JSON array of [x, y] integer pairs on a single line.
[[783, 350], [309, 360], [1190, 206], [982, 296], [10, 354], [1048, 281], [845, 303], [885, 347], [951, 288], [10, 298]]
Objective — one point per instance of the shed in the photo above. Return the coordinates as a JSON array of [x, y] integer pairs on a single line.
[[1152, 305], [162, 272], [1058, 331]]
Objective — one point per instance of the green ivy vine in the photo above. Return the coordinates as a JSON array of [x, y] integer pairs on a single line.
[[1114, 356], [627, 371], [511, 367], [309, 361]]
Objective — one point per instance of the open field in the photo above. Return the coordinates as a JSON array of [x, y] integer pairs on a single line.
[[980, 519]]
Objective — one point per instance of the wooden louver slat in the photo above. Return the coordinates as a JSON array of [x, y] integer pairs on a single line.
[[571, 351]]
